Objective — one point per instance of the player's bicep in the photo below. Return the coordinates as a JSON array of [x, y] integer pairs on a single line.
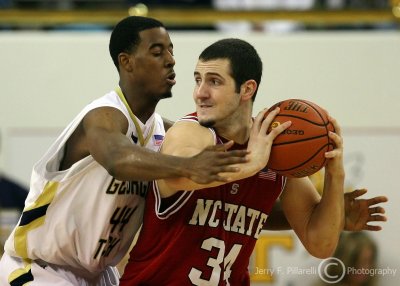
[[104, 134]]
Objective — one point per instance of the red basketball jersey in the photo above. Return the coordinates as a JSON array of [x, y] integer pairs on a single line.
[[202, 237]]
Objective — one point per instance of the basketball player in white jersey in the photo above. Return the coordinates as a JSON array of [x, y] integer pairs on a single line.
[[87, 192]]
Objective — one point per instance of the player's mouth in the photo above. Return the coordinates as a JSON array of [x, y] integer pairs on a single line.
[[171, 79], [205, 106]]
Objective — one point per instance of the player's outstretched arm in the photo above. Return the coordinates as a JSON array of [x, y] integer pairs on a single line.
[[104, 138], [359, 213]]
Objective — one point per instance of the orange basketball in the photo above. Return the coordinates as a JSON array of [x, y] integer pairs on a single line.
[[300, 150]]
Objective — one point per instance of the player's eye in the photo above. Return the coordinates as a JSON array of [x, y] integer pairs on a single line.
[[156, 51], [197, 81], [215, 81]]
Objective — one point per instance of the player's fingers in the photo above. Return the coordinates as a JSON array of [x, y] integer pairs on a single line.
[[338, 146], [222, 163], [373, 227], [268, 119], [272, 115], [228, 157], [275, 131], [336, 125], [260, 118], [233, 156], [219, 178], [376, 210], [227, 169], [266, 123], [377, 200], [221, 147], [332, 154], [377, 218], [337, 139], [213, 178], [356, 193]]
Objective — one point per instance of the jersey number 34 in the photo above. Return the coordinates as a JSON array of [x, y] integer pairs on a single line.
[[215, 263]]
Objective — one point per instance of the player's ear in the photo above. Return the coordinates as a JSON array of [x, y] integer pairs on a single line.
[[247, 89], [125, 62]]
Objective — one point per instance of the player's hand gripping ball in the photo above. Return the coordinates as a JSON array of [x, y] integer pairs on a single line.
[[299, 151]]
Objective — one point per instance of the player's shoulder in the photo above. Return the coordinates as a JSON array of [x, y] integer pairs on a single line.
[[188, 125], [189, 131], [109, 104], [191, 117], [110, 98]]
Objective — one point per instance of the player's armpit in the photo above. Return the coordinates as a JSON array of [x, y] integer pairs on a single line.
[[167, 123], [277, 219]]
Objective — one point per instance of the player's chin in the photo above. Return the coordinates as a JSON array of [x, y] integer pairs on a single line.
[[167, 94], [206, 122], [163, 91]]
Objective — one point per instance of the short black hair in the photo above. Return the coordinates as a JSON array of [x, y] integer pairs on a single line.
[[125, 35], [244, 60]]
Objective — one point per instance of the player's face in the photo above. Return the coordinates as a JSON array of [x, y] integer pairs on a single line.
[[153, 63], [214, 93]]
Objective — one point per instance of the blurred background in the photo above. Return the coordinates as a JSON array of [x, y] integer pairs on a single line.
[[341, 54], [255, 15]]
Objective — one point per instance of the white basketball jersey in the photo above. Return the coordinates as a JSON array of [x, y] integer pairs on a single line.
[[82, 217]]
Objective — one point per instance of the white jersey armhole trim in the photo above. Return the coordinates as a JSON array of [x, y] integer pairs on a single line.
[[178, 204], [284, 179]]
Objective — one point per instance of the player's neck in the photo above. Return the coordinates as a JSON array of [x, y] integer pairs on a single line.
[[236, 127], [141, 106]]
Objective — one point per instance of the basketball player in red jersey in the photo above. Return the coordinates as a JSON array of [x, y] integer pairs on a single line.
[[197, 234]]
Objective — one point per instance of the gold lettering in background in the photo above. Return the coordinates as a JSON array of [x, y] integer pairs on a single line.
[[261, 258]]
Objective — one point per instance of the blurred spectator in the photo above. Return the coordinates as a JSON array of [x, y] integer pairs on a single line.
[[358, 252], [266, 26], [176, 3], [353, 4], [263, 4], [12, 198], [5, 4], [12, 194]]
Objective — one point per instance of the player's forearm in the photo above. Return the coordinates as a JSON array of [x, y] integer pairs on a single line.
[[187, 184], [145, 165], [327, 219]]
